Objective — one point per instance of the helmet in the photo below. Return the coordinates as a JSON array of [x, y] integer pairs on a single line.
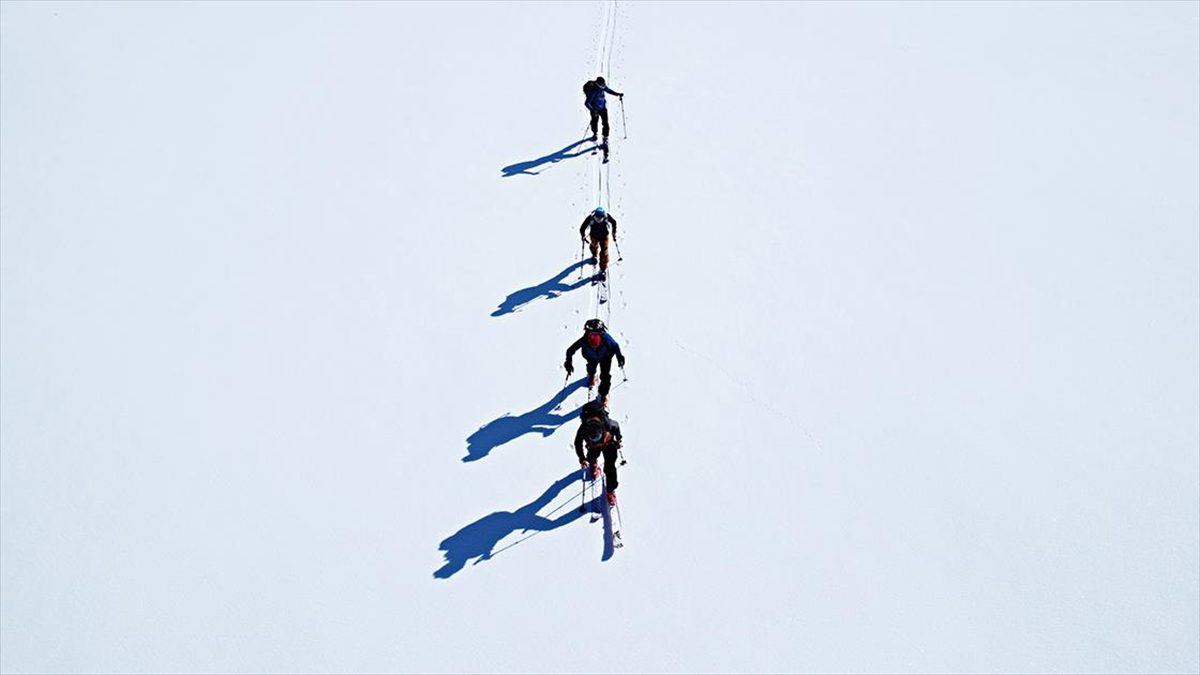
[[600, 80], [594, 324], [593, 339], [593, 431], [599, 213]]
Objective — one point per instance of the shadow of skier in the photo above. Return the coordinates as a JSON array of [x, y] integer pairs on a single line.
[[552, 158], [540, 420], [478, 539], [550, 289]]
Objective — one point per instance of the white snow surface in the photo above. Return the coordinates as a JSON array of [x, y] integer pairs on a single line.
[[910, 299]]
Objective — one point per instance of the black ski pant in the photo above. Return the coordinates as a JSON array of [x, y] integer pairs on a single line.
[[601, 115], [605, 374], [610, 463]]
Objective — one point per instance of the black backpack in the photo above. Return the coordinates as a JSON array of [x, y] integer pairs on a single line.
[[593, 409], [589, 87], [595, 423], [599, 230]]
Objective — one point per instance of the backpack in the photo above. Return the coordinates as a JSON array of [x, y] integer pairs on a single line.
[[593, 409], [595, 429], [599, 230], [590, 91]]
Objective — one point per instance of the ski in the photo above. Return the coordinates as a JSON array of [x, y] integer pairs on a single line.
[[617, 541], [612, 526]]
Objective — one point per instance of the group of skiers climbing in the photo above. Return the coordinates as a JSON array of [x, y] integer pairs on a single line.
[[597, 431], [598, 434]]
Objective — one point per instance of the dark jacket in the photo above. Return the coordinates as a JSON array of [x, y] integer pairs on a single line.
[[612, 436], [594, 95], [599, 230], [608, 348]]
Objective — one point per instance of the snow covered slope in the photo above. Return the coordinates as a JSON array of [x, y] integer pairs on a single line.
[[910, 297]]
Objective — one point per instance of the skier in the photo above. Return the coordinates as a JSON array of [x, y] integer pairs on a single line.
[[593, 92], [599, 348], [601, 434], [599, 222]]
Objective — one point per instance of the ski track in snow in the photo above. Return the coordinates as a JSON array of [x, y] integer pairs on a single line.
[[600, 182]]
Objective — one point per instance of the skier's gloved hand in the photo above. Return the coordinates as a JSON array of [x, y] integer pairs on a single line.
[[569, 367], [621, 361]]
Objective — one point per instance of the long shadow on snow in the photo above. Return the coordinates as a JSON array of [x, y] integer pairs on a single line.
[[478, 539], [552, 158], [540, 420], [550, 288]]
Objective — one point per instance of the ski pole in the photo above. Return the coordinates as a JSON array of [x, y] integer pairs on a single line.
[[624, 126], [583, 492], [618, 245], [593, 485], [624, 375]]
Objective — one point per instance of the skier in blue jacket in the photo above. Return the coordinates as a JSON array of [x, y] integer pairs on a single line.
[[594, 101], [599, 348]]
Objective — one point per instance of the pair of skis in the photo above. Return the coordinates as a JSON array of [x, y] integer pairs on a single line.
[[601, 279], [602, 146], [606, 511]]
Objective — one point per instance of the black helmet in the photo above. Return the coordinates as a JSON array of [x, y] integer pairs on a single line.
[[594, 325], [593, 431], [600, 80]]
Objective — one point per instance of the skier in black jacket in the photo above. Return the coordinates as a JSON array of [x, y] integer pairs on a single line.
[[602, 435], [599, 348], [599, 222]]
